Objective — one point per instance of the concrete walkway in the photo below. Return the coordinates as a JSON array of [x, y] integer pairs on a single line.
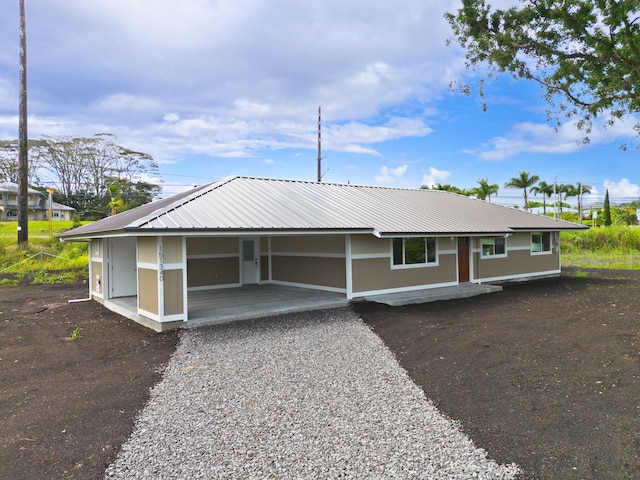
[[463, 290]]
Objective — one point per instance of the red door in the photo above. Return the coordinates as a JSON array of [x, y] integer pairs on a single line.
[[463, 259]]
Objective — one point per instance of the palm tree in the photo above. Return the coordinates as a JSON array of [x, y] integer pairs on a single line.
[[484, 191], [544, 189], [565, 191], [117, 203], [524, 181], [582, 189]]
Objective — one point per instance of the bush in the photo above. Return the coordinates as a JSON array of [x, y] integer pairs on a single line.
[[605, 239]]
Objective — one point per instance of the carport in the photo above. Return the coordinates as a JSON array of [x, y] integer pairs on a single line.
[[208, 307]]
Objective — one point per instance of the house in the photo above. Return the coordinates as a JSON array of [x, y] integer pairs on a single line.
[[38, 206], [354, 241]]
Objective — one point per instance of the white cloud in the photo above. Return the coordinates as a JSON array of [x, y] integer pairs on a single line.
[[391, 175], [623, 189], [530, 137], [434, 177], [232, 76]]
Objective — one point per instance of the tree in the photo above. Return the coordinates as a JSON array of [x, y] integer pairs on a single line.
[[485, 190], [448, 188], [524, 181], [544, 189], [584, 53], [607, 210], [117, 203], [568, 191], [581, 188], [9, 162], [81, 164]]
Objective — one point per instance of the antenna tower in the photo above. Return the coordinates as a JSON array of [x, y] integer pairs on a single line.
[[319, 147]]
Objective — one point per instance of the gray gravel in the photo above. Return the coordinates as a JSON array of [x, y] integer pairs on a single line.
[[311, 395]]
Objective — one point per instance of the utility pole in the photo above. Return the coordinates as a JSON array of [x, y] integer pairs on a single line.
[[319, 148], [23, 158]]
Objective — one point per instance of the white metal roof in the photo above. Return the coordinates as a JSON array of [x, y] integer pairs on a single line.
[[247, 204]]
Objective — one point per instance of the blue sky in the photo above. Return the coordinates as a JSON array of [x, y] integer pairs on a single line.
[[213, 88]]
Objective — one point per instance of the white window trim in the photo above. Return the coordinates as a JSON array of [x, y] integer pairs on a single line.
[[542, 252], [499, 255], [413, 265]]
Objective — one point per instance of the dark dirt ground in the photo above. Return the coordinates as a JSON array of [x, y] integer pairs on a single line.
[[545, 374], [66, 405]]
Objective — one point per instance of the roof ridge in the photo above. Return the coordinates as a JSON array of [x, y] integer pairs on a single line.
[[337, 184]]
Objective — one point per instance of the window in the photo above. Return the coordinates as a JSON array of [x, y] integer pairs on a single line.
[[494, 247], [541, 242], [414, 251], [12, 213]]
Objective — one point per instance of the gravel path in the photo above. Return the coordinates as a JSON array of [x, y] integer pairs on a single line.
[[312, 395]]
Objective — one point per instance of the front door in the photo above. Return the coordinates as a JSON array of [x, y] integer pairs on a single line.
[[463, 259], [249, 261]]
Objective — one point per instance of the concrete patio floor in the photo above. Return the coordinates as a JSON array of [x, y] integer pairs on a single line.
[[208, 307], [254, 301]]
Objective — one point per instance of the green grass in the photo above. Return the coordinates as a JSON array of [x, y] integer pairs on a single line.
[[42, 260], [615, 247]]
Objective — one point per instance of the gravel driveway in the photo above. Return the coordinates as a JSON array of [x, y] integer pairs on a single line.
[[311, 395]]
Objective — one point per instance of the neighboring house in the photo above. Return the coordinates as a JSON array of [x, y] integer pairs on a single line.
[[37, 205], [356, 241]]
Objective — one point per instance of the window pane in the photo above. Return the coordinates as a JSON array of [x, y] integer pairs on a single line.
[[546, 242], [536, 243], [431, 250], [247, 251], [500, 246], [414, 251], [487, 247], [397, 251]]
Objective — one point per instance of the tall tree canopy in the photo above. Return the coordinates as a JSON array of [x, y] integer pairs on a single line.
[[81, 164], [484, 190], [544, 189], [524, 181], [84, 170], [585, 53]]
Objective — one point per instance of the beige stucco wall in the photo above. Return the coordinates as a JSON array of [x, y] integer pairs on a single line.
[[520, 260], [148, 290], [522, 239], [172, 249], [264, 268], [327, 272], [309, 244], [148, 250], [93, 251], [376, 274], [212, 271], [368, 244], [447, 243], [212, 245], [172, 289], [96, 271]]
